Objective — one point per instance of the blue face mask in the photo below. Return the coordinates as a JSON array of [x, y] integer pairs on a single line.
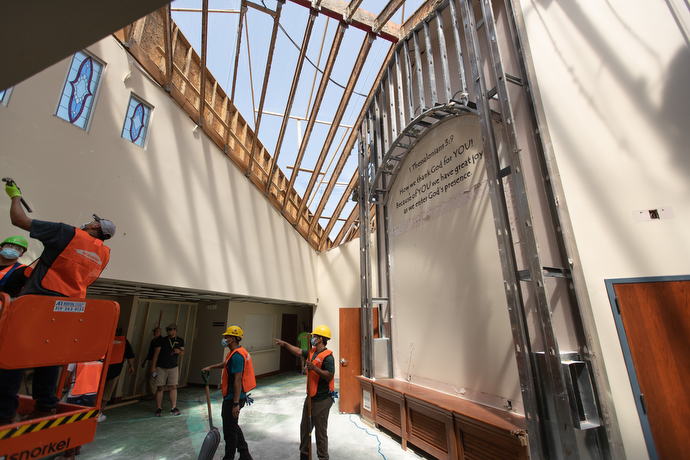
[[9, 253], [313, 341], [224, 342]]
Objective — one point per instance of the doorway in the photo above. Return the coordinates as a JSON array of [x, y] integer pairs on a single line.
[[653, 321], [288, 333]]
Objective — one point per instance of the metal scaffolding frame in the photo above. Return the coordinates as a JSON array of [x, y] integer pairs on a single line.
[[557, 425]]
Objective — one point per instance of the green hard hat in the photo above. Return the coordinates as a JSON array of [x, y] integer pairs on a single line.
[[18, 240]]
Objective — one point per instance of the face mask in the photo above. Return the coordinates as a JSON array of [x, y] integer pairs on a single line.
[[9, 253], [313, 341], [224, 342], [83, 226]]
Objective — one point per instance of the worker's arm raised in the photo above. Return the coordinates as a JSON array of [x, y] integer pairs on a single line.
[[293, 349], [17, 214], [213, 366]]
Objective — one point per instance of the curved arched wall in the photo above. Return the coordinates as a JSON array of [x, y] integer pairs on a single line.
[[450, 324]]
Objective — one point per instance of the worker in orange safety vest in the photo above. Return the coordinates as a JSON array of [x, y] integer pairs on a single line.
[[320, 391], [12, 276], [82, 380], [72, 259], [238, 378]]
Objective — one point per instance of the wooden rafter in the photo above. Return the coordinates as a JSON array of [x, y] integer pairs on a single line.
[[337, 40], [347, 226], [339, 208], [168, 47], [344, 101], [387, 13], [360, 19], [267, 74], [291, 98], [351, 9], [243, 11], [204, 53], [346, 154]]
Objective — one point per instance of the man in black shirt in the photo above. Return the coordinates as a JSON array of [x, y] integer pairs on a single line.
[[164, 367], [151, 380], [114, 371]]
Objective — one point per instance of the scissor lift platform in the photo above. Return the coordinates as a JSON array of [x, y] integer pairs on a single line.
[[38, 331]]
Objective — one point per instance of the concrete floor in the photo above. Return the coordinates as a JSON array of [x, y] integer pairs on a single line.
[[270, 425]]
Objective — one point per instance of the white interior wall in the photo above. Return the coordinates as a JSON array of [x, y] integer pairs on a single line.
[[266, 360], [612, 77], [186, 216], [451, 327], [339, 287]]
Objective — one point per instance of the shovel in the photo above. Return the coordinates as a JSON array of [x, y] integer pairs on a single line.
[[210, 445]]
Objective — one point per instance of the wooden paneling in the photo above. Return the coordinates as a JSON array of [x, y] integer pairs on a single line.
[[446, 426], [657, 325], [431, 428]]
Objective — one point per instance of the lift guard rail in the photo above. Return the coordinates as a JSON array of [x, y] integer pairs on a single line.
[[38, 331]]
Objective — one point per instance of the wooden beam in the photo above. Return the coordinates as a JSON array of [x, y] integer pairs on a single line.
[[243, 11], [428, 8], [360, 19], [346, 226], [267, 74], [348, 148], [291, 98], [351, 9], [344, 101], [204, 53], [387, 13], [325, 78], [168, 47]]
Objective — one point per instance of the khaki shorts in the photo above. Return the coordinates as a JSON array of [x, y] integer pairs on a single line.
[[166, 376]]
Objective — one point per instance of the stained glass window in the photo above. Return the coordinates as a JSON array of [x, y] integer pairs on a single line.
[[80, 90], [136, 125], [5, 96]]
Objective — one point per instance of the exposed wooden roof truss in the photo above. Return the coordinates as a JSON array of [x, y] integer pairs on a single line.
[[319, 208]]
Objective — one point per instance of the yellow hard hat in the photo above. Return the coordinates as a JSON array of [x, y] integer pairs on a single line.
[[323, 331], [235, 331]]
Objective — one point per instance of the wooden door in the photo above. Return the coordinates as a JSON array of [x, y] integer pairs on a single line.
[[350, 360], [656, 318], [288, 333]]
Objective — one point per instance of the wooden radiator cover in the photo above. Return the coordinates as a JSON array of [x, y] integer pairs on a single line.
[[445, 426]]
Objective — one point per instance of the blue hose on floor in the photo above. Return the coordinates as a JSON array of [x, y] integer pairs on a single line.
[[367, 432]]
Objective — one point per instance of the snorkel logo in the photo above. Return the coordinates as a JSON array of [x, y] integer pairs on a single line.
[[52, 448]]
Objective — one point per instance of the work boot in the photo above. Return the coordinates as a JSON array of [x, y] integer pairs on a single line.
[[67, 455], [6, 421], [40, 412]]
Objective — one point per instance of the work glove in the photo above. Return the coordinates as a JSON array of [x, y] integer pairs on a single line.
[[12, 190]]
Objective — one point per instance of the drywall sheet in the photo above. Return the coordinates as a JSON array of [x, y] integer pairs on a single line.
[[450, 321], [259, 332]]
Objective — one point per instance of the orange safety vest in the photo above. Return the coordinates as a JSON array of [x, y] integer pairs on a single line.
[[8, 271], [318, 362], [118, 349], [77, 266], [248, 378], [88, 376]]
